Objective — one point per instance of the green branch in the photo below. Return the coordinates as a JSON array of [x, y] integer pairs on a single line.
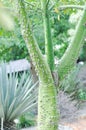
[[35, 53], [69, 58], [47, 31], [63, 7]]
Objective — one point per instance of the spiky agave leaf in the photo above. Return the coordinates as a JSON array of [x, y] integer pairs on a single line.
[[16, 96]]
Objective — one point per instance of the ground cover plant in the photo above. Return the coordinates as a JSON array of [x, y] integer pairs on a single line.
[[26, 120]]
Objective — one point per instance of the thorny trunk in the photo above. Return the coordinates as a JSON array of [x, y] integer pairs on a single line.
[[47, 103]]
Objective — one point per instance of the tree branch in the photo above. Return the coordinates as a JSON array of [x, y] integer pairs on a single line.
[[29, 3], [63, 7], [48, 38], [38, 60], [68, 60]]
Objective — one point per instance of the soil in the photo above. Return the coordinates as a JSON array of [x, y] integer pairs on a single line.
[[78, 124]]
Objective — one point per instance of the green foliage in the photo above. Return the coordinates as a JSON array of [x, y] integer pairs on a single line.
[[17, 96], [72, 2], [70, 81], [12, 45], [73, 85], [82, 94], [60, 26], [26, 120], [82, 56]]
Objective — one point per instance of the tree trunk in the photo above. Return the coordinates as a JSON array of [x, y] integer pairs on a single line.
[[47, 103], [47, 106]]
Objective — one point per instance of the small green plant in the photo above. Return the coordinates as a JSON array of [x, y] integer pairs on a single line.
[[26, 120], [82, 94]]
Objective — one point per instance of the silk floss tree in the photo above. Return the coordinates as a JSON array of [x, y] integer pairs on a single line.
[[48, 114]]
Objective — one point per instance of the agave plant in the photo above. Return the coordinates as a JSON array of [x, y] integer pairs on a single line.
[[17, 96]]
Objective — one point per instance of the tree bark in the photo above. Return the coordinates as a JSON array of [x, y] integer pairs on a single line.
[[47, 102]]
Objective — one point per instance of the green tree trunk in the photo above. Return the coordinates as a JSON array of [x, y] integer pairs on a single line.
[[47, 103]]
